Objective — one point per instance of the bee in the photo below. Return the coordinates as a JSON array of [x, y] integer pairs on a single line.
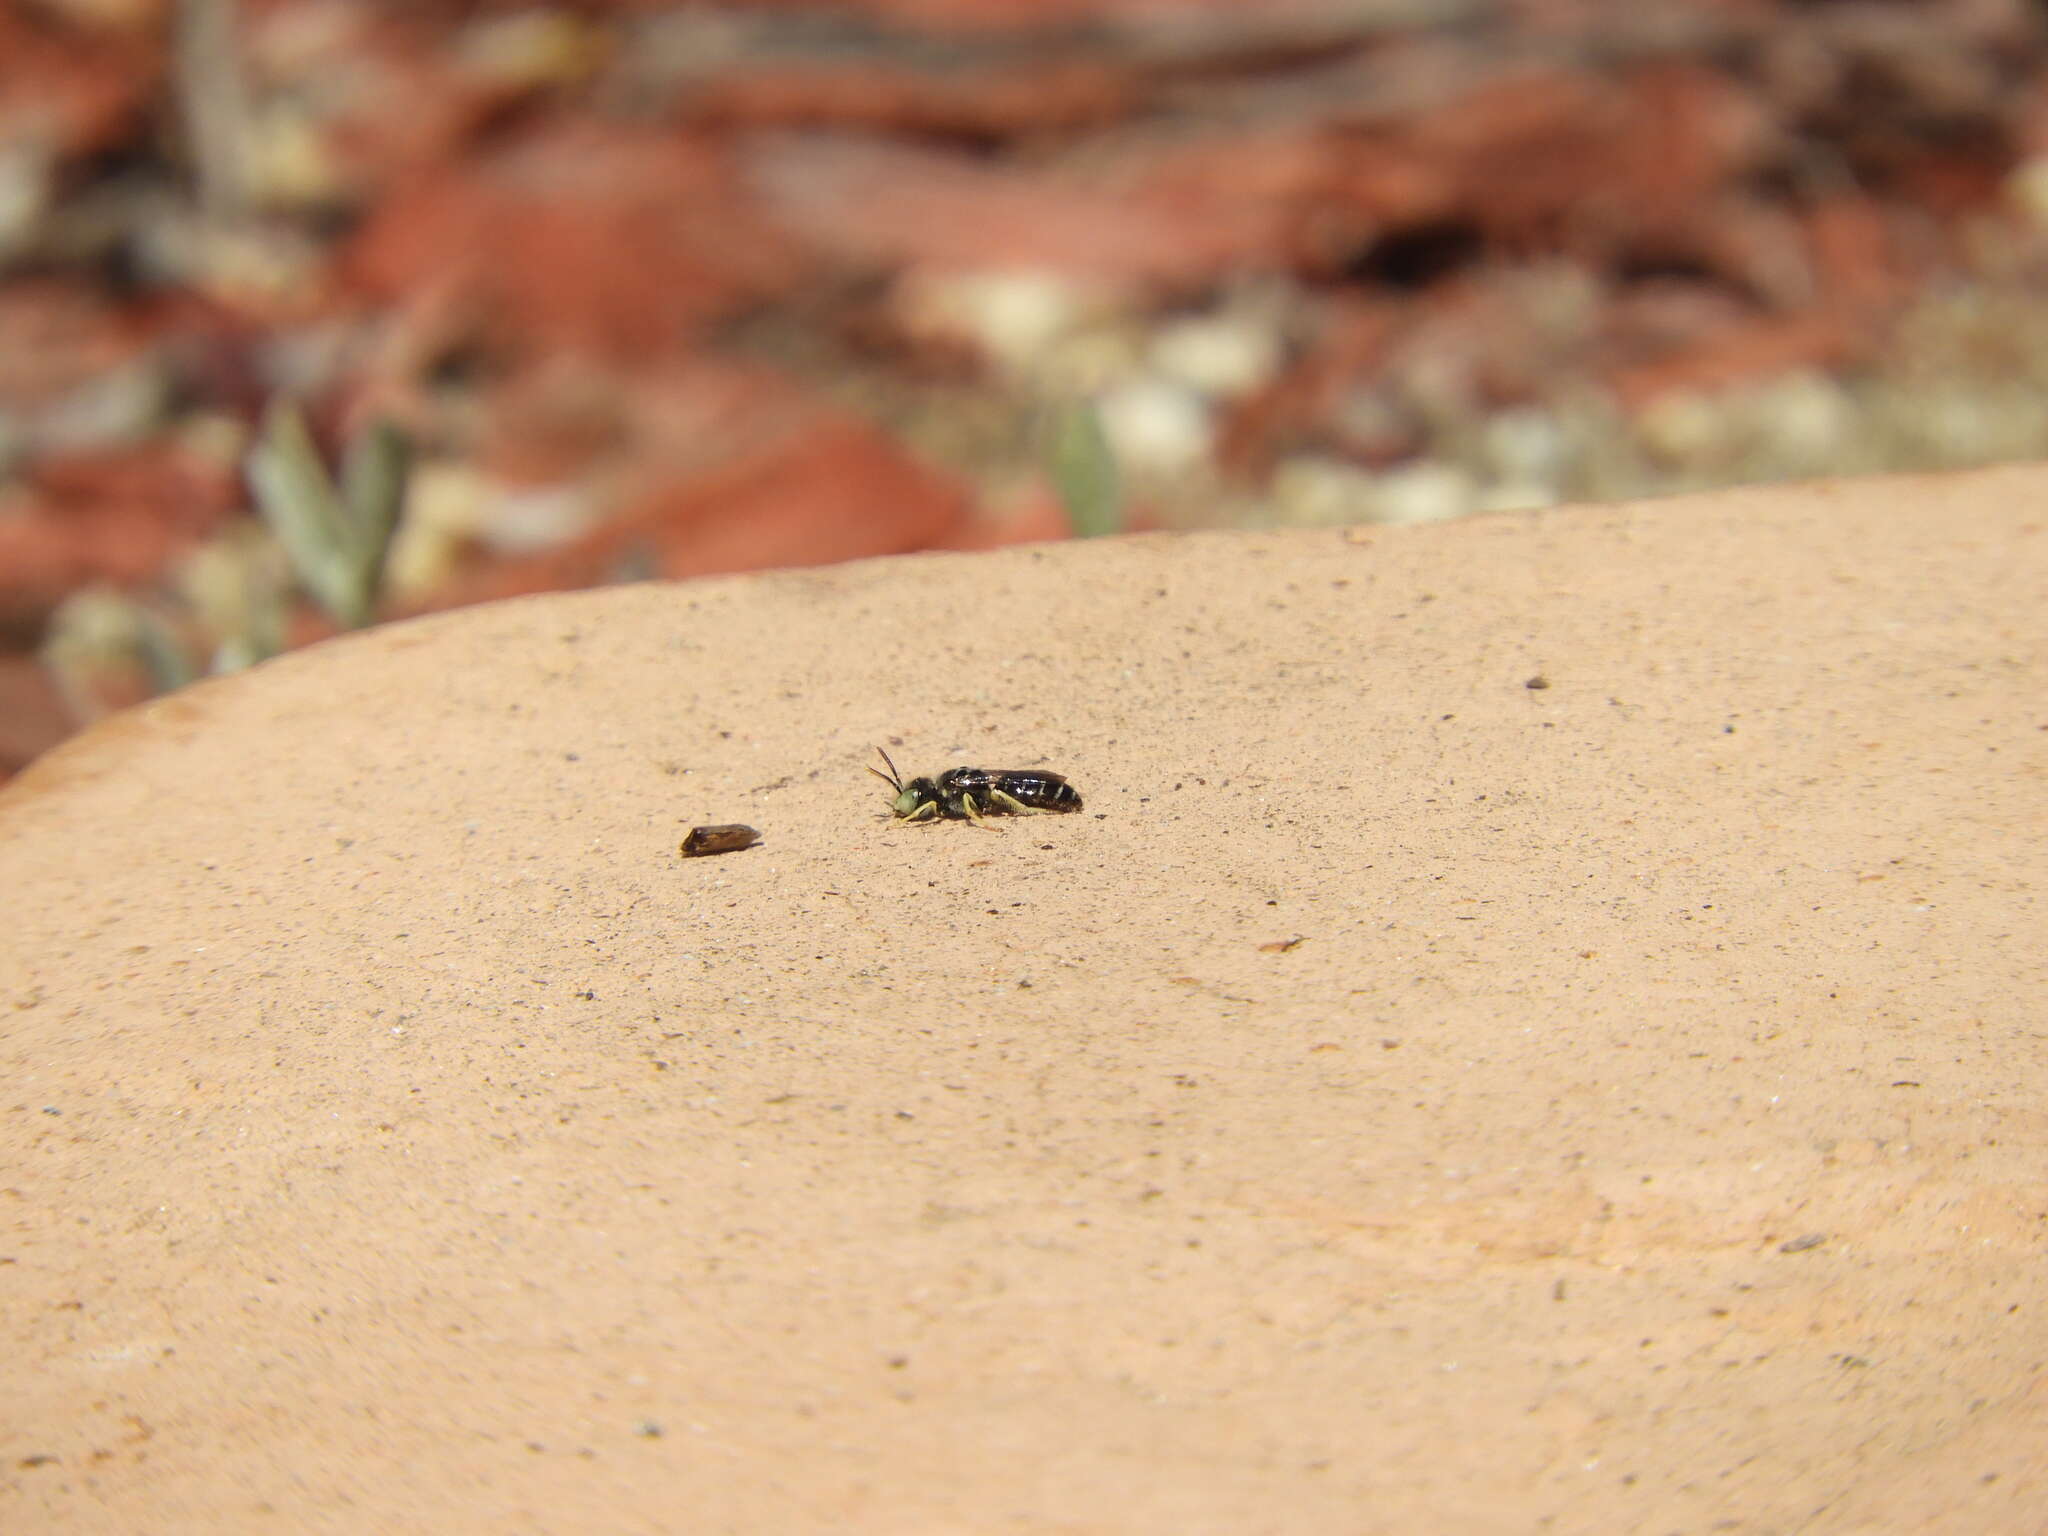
[[968, 794]]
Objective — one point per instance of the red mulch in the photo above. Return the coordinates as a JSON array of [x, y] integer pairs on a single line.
[[666, 253]]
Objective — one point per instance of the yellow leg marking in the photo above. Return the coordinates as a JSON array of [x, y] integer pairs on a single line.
[[1012, 806]]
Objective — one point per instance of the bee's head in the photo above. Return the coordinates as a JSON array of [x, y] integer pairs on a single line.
[[908, 796], [915, 796]]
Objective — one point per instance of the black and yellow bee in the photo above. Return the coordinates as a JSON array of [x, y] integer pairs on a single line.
[[969, 794]]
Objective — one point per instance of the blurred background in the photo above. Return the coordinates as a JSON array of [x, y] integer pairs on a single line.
[[320, 312]]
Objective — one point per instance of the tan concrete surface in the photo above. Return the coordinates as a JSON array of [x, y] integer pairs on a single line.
[[1406, 1099]]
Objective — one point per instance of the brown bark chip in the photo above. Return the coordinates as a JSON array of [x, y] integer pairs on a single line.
[[1403, 1100]]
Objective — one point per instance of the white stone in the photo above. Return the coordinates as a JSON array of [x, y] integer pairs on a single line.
[[1157, 427], [1218, 355], [1425, 492]]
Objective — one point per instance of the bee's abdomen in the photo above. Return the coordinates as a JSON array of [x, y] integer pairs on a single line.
[[1037, 789]]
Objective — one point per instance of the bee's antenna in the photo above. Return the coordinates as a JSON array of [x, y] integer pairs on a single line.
[[892, 778]]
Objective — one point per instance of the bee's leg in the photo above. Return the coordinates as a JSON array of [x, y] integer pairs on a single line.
[[1002, 804], [974, 811], [929, 811]]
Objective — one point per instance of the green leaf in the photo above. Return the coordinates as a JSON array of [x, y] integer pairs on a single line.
[[163, 654], [1084, 471], [336, 540], [373, 476]]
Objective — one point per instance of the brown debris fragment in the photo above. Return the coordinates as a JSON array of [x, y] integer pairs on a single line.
[[726, 837]]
